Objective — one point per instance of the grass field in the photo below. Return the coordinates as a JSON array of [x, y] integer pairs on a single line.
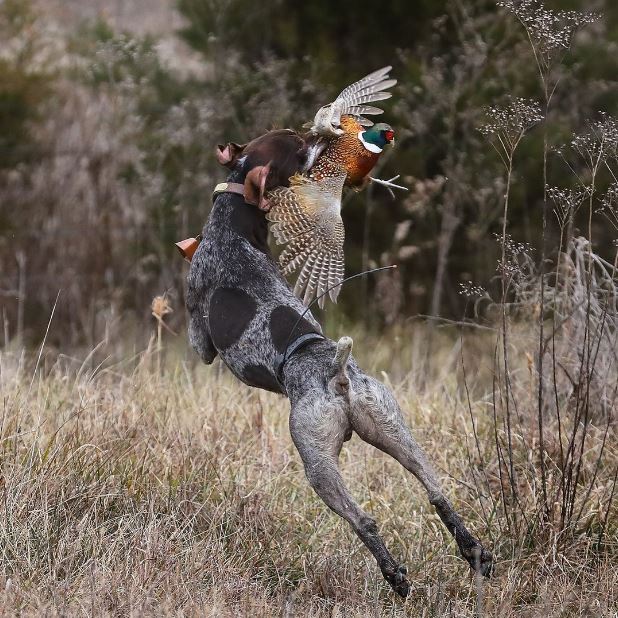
[[135, 481], [129, 492]]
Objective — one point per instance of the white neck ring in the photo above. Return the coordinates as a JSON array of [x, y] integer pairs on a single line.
[[368, 145]]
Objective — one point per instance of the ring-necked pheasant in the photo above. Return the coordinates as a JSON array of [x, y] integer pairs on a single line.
[[307, 214]]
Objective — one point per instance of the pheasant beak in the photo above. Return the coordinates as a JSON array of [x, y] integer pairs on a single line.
[[390, 136]]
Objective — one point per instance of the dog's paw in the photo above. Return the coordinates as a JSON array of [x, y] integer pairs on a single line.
[[479, 559], [397, 579]]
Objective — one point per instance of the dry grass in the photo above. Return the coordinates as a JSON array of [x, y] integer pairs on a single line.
[[126, 492]]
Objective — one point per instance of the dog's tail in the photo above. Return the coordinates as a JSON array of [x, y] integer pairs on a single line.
[[340, 381]]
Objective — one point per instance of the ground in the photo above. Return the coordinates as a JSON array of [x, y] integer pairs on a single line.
[[129, 492]]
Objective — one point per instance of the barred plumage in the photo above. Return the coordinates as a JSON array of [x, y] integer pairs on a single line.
[[352, 101], [307, 216]]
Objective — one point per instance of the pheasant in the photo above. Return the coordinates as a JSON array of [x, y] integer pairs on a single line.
[[307, 214]]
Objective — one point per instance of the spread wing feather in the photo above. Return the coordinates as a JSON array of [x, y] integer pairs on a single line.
[[357, 110], [372, 93], [372, 83], [306, 216], [353, 99]]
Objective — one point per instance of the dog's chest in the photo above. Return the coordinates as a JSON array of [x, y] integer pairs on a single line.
[[251, 313]]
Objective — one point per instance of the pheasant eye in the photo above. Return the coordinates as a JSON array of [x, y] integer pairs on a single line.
[[389, 135]]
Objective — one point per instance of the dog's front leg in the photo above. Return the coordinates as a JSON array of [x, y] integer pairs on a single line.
[[201, 341], [199, 333]]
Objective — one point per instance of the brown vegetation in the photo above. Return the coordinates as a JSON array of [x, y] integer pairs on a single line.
[[129, 492], [135, 482]]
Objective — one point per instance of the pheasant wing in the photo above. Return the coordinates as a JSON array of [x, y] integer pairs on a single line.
[[307, 217], [372, 87], [353, 100]]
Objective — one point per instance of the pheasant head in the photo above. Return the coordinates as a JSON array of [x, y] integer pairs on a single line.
[[376, 137]]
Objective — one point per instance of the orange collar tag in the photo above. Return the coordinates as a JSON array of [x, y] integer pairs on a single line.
[[188, 247]]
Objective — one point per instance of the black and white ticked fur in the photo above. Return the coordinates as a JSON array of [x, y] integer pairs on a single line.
[[240, 305], [241, 308]]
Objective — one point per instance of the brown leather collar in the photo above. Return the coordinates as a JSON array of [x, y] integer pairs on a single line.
[[228, 187]]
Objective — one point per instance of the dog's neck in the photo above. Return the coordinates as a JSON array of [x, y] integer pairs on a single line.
[[249, 222]]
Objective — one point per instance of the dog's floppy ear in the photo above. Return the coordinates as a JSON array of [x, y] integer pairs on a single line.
[[255, 186], [227, 155]]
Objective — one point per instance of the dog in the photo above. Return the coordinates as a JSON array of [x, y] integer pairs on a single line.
[[242, 309]]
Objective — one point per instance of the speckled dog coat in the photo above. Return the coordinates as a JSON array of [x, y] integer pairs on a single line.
[[241, 308]]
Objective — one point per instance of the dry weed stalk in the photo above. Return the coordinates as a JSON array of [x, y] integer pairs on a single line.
[[505, 128], [125, 492], [161, 307], [550, 34], [544, 496]]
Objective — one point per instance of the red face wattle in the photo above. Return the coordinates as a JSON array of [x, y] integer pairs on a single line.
[[389, 134]]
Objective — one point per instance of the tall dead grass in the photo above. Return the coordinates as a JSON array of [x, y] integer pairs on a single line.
[[129, 491]]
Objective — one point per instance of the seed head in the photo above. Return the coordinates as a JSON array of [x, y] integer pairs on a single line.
[[160, 307]]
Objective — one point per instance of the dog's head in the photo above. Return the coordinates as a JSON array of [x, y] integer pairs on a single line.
[[265, 163]]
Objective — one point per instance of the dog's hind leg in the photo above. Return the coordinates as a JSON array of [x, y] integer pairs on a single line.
[[319, 425], [377, 419]]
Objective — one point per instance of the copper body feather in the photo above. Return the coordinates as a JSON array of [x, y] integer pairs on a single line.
[[306, 216]]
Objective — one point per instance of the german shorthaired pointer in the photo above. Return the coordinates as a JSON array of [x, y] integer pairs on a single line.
[[242, 308]]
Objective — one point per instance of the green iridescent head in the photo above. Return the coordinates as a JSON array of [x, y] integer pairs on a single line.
[[379, 135]]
